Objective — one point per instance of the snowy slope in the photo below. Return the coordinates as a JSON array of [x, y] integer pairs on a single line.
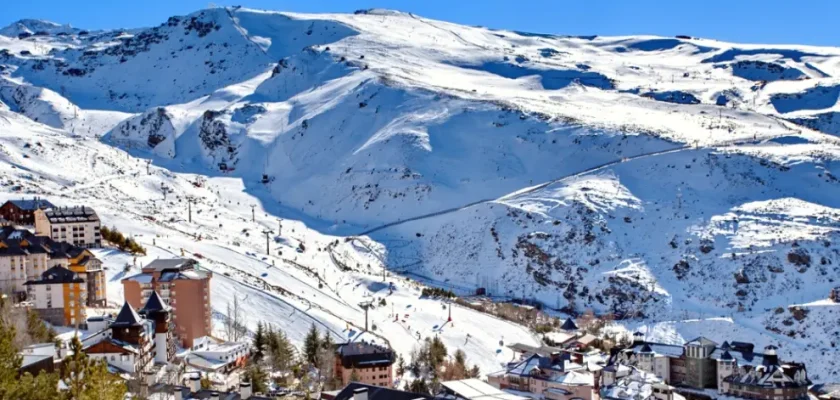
[[673, 181]]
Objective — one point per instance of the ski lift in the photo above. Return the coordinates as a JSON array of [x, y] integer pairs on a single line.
[[265, 179]]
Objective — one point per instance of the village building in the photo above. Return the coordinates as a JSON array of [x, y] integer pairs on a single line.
[[825, 391], [365, 391], [193, 391], [22, 212], [371, 364], [182, 285], [473, 389], [557, 376], [733, 368], [38, 358], [25, 256], [130, 344], [215, 356], [59, 297], [79, 226]]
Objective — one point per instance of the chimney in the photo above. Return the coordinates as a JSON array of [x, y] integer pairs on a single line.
[[245, 390], [179, 393], [214, 396], [150, 378], [195, 383], [360, 394]]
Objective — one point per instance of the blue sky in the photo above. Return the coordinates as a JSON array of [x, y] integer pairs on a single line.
[[752, 21]]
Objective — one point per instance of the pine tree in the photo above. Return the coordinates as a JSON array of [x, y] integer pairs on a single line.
[[101, 384], [74, 369], [257, 376], [400, 365], [37, 329], [259, 342], [311, 344]]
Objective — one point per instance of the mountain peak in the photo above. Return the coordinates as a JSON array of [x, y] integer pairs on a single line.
[[29, 26]]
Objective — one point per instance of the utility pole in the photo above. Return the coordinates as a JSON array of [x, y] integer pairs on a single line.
[[366, 306], [267, 233], [253, 216], [190, 200], [279, 226], [148, 166]]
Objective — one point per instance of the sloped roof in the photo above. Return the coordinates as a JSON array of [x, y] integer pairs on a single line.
[[726, 355], [169, 263], [155, 303], [57, 274], [378, 393], [127, 317], [569, 325], [474, 389], [31, 204]]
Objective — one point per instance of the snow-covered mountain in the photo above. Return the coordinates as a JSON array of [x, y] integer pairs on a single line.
[[684, 183]]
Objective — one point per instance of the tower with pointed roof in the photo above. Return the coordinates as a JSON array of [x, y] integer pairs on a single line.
[[159, 312]]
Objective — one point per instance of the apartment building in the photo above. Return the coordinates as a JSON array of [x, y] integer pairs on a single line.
[[24, 256], [76, 225], [371, 363], [181, 284], [59, 297], [22, 212]]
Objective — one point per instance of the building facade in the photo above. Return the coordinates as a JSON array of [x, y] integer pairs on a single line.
[[370, 363], [24, 256], [732, 368], [59, 297], [129, 346], [22, 212], [79, 226], [181, 284]]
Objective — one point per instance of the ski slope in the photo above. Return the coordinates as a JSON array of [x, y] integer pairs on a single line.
[[686, 184]]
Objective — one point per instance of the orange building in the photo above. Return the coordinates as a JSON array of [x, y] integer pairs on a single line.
[[181, 284], [59, 297]]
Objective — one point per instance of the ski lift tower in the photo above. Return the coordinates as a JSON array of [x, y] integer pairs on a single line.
[[366, 306]]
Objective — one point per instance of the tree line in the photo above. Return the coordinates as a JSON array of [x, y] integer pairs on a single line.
[[123, 243]]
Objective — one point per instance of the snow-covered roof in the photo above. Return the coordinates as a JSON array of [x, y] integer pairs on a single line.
[[140, 278], [474, 389]]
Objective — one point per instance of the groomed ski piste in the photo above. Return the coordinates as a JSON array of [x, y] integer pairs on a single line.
[[685, 183]]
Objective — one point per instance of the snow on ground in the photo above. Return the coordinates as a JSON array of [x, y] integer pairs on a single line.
[[130, 200], [684, 183]]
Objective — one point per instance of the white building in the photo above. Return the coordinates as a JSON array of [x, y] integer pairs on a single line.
[[77, 225], [210, 355]]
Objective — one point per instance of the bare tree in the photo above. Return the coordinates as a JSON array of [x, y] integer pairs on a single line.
[[234, 326]]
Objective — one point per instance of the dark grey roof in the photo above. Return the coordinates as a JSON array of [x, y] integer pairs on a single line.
[[57, 274], [569, 325], [378, 393], [646, 349], [31, 204], [155, 303], [127, 317], [726, 356], [60, 215], [170, 263]]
